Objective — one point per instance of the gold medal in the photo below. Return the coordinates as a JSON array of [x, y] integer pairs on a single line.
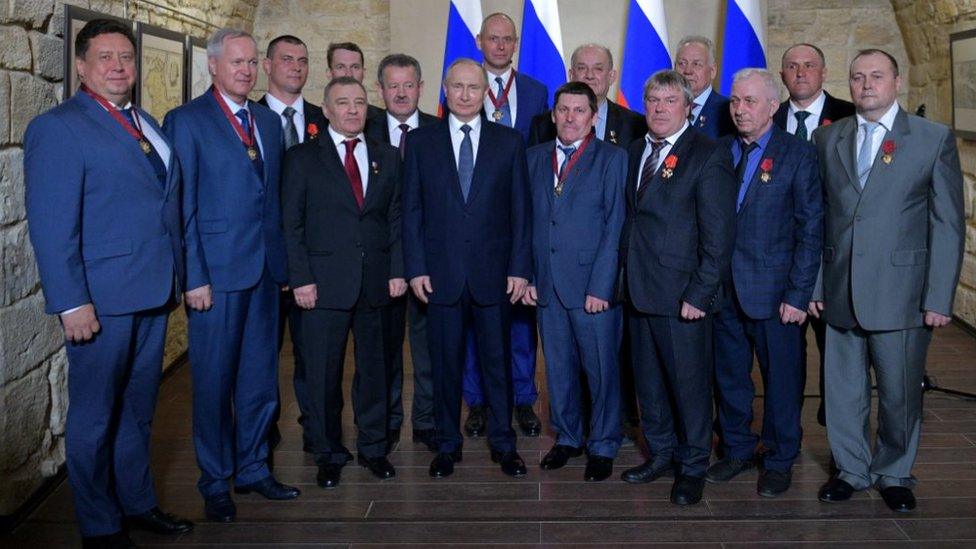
[[558, 190], [497, 115], [252, 153], [764, 177], [146, 147], [886, 159], [666, 173]]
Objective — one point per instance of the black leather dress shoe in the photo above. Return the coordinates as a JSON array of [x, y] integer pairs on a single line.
[[898, 498], [156, 521], [687, 490], [379, 466], [773, 483], [443, 464], [527, 421], [329, 475], [649, 471], [598, 468], [474, 426], [269, 488], [425, 437], [727, 469], [511, 462], [835, 490], [220, 508], [118, 540], [558, 456]]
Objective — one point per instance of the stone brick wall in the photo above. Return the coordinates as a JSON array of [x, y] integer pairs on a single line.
[[33, 367], [926, 27]]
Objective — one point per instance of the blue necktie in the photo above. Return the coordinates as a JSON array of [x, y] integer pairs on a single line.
[[568, 153], [864, 157], [466, 162], [257, 162], [157, 161], [506, 119]]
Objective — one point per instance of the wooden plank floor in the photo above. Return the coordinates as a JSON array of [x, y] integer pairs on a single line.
[[479, 505]]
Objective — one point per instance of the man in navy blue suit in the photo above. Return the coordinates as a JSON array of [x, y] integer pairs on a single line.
[[513, 99], [695, 61], [774, 267], [102, 199], [230, 152], [578, 210], [467, 254]]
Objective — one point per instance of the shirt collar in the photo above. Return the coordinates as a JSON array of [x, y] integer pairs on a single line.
[[702, 97], [814, 108], [671, 139], [505, 76], [887, 119], [338, 138], [278, 105], [761, 142], [233, 105], [455, 124], [575, 144], [413, 121]]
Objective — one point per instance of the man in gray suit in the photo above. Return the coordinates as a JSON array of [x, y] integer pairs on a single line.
[[892, 254]]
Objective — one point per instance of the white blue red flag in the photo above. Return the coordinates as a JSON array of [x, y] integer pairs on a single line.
[[645, 51], [541, 54], [744, 43], [463, 23]]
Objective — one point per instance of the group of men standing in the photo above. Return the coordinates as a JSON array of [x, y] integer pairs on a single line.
[[656, 256]]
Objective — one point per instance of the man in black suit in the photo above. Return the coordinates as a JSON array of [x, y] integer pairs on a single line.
[[676, 248], [593, 64], [400, 81], [341, 217], [347, 59], [803, 71], [286, 67], [695, 61]]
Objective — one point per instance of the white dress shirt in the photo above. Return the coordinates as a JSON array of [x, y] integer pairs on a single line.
[[360, 152], [457, 136], [885, 124], [512, 94], [669, 142], [561, 157], [393, 126], [299, 117], [811, 121], [234, 107], [700, 104]]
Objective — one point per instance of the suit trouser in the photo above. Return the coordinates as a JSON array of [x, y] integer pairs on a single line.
[[777, 347], [327, 333], [524, 346], [234, 366], [448, 327], [112, 384], [898, 358], [423, 385], [291, 315], [575, 342], [673, 372]]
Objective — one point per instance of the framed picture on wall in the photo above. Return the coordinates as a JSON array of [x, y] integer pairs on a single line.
[[197, 73], [162, 70], [74, 19], [962, 55]]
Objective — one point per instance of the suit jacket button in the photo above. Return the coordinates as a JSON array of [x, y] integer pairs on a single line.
[[857, 218], [552, 250], [553, 222]]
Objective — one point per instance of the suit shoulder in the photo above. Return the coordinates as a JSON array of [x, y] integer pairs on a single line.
[[927, 125], [504, 132], [543, 148], [303, 150], [191, 109], [614, 152], [528, 81], [427, 119], [425, 132]]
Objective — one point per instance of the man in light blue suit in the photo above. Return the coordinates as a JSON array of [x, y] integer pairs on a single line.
[[578, 211], [513, 99], [230, 151], [103, 204]]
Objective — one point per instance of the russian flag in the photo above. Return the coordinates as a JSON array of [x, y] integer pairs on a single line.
[[743, 45], [645, 51], [541, 54], [463, 23]]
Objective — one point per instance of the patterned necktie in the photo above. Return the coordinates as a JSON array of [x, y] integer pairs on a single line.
[[291, 132], [801, 124], [257, 162], [404, 128], [466, 162], [506, 109], [157, 161], [864, 157], [352, 170], [691, 113], [567, 155], [650, 165], [740, 172]]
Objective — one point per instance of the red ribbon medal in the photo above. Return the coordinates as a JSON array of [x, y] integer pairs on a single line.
[[134, 131], [569, 165], [498, 102], [247, 138]]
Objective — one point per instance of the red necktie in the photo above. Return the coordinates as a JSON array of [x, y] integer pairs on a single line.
[[352, 170]]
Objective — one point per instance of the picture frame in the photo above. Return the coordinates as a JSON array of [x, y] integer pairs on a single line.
[[197, 73], [74, 19], [962, 60], [161, 66]]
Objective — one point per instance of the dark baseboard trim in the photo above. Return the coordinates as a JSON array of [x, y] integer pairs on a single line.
[[9, 522]]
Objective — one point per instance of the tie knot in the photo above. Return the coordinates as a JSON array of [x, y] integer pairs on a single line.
[[288, 112], [404, 128], [499, 81], [242, 114], [656, 145], [568, 151], [869, 126], [466, 129], [350, 143], [801, 115], [748, 148]]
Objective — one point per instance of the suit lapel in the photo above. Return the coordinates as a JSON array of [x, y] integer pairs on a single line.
[[635, 152], [336, 172], [485, 143], [447, 152], [224, 127], [267, 146], [880, 172], [679, 150], [97, 113], [171, 177], [583, 165], [373, 169], [846, 149], [612, 129]]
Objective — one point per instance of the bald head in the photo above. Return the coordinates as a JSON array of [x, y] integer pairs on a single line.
[[497, 41], [593, 65]]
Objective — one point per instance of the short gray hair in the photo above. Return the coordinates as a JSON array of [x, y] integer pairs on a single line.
[[466, 61], [601, 47], [400, 60], [671, 79], [768, 80], [341, 81], [215, 45], [696, 39]]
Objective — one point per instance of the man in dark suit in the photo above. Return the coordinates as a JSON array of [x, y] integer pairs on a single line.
[[779, 234], [341, 214], [513, 99], [286, 66], [400, 81], [102, 196], [803, 72], [578, 210], [895, 231], [676, 247], [468, 255], [347, 59], [695, 61], [230, 154], [593, 64]]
